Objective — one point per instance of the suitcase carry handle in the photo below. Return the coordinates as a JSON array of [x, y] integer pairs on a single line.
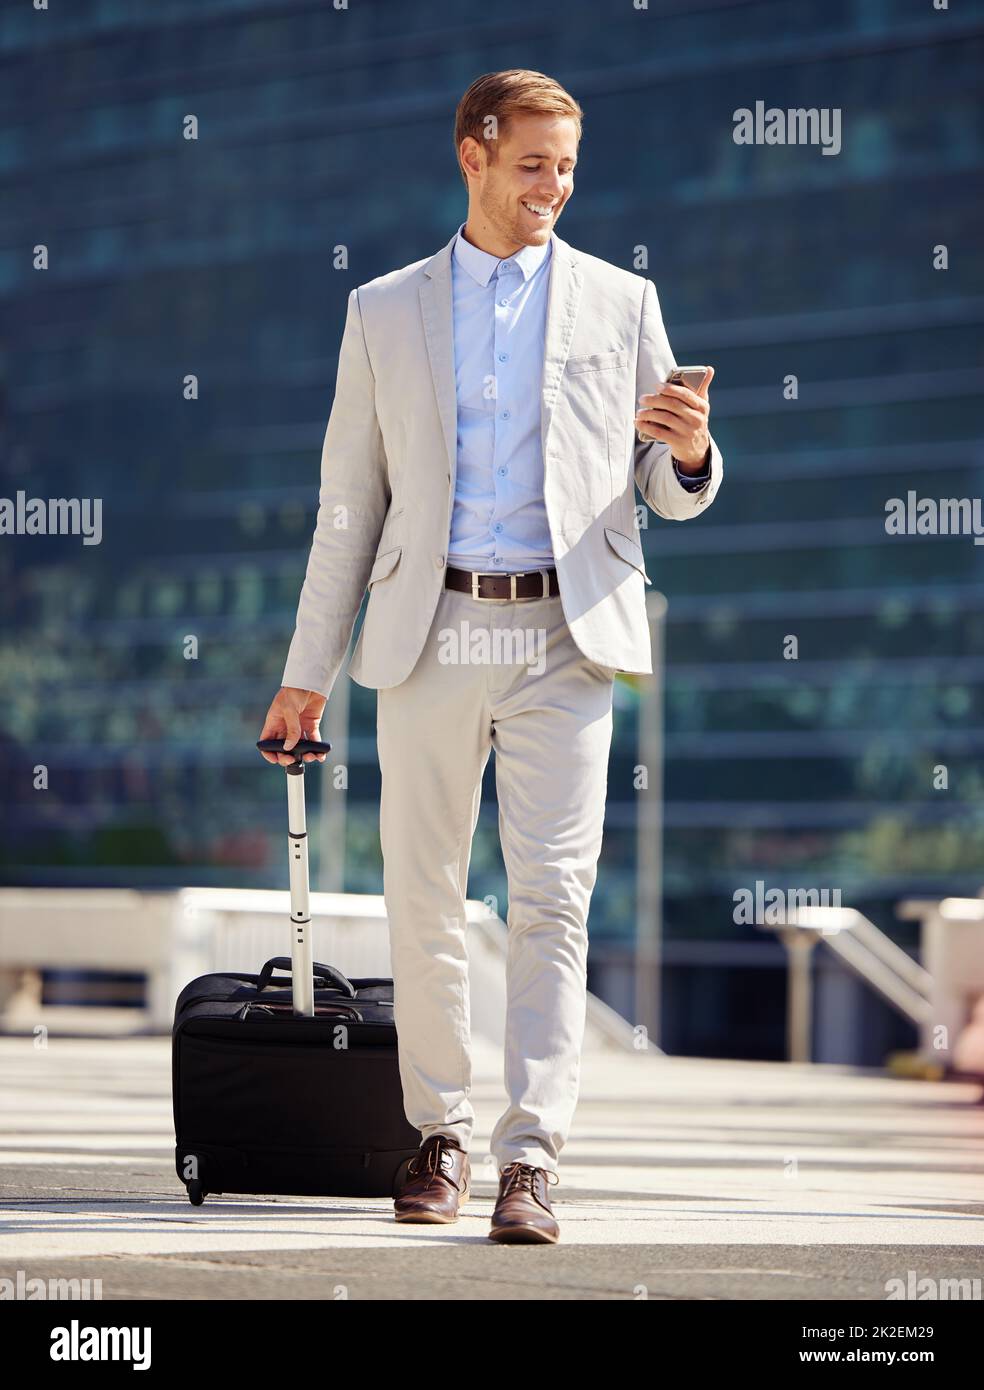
[[333, 978]]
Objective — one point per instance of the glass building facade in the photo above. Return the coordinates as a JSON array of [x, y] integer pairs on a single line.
[[839, 298]]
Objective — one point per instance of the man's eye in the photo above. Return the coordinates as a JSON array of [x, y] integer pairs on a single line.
[[530, 168]]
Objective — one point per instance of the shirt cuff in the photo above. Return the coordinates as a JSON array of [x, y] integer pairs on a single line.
[[693, 482]]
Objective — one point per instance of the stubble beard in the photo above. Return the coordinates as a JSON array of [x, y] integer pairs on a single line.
[[511, 226]]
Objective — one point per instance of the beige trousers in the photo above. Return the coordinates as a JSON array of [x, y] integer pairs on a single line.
[[503, 674]]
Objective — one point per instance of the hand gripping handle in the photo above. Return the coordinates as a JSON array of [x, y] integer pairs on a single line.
[[302, 746]]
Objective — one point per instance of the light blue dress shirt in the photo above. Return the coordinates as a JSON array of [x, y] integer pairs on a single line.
[[499, 518]]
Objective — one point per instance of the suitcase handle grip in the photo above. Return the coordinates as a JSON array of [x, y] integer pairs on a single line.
[[302, 746], [332, 977]]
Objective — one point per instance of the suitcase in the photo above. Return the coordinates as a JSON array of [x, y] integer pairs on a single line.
[[289, 1084]]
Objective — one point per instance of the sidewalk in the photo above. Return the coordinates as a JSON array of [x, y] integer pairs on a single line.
[[682, 1179]]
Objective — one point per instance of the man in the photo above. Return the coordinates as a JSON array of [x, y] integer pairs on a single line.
[[496, 404]]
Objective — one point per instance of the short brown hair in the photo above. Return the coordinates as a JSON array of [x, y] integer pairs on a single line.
[[502, 95]]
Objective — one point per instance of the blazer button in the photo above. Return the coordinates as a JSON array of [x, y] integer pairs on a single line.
[[439, 561]]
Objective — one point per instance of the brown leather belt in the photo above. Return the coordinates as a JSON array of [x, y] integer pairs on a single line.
[[541, 583]]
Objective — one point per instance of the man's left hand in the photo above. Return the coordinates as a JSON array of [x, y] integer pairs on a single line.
[[677, 416]]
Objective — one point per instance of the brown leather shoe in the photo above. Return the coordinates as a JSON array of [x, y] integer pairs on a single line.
[[438, 1179], [522, 1213]]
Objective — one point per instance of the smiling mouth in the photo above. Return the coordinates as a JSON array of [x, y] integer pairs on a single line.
[[539, 210]]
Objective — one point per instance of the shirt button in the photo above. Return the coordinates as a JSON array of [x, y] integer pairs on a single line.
[[504, 303], [496, 560], [504, 415], [497, 527], [503, 357], [506, 265], [503, 471]]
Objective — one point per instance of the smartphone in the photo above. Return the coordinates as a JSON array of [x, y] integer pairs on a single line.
[[688, 376]]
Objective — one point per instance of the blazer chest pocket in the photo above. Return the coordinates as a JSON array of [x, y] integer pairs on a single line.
[[597, 362], [384, 565], [628, 550]]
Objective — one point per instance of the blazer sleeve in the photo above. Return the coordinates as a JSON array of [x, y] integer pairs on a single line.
[[655, 474], [352, 507]]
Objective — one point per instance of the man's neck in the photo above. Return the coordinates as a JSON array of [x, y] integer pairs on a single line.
[[485, 239]]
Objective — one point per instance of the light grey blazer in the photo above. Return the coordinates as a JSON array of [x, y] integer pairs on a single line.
[[388, 468]]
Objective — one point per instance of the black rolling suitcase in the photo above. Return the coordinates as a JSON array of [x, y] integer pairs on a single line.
[[289, 1085]]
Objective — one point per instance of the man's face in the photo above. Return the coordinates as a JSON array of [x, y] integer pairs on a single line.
[[522, 194]]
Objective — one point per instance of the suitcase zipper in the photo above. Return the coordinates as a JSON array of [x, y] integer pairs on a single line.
[[224, 999]]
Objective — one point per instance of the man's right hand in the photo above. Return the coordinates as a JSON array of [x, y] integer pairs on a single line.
[[294, 714]]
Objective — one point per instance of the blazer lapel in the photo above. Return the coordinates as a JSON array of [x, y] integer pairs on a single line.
[[563, 298], [437, 312]]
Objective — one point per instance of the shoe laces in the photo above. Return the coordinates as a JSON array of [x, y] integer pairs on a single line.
[[522, 1175], [436, 1158]]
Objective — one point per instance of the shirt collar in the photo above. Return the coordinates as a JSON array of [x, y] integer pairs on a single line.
[[480, 264]]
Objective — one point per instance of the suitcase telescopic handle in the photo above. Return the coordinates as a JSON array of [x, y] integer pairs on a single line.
[[332, 977], [301, 952]]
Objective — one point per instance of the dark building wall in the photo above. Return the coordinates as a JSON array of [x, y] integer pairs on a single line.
[[324, 157]]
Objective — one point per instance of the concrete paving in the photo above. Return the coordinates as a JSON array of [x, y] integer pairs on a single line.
[[683, 1179]]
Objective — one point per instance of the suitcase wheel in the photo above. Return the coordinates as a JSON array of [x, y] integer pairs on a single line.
[[196, 1193]]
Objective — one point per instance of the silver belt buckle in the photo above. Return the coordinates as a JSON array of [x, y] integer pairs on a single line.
[[546, 582], [475, 579], [512, 585]]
